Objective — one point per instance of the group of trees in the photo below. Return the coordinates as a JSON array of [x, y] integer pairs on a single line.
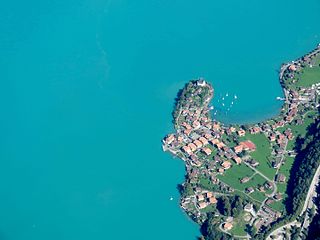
[[210, 229], [306, 163], [230, 206], [227, 206], [182, 96], [314, 228]]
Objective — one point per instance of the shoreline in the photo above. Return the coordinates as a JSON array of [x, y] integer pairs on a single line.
[[199, 137]]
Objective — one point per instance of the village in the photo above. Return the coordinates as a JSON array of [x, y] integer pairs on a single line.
[[251, 161]]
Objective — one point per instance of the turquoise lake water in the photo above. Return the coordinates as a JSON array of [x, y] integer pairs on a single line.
[[87, 90]]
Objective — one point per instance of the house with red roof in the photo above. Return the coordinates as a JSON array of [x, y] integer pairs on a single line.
[[248, 145]]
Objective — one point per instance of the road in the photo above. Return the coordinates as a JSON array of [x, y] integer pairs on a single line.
[[265, 177], [281, 229], [308, 203], [282, 156]]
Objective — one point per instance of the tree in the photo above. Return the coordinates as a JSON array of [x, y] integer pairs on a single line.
[[314, 228], [237, 206], [224, 206]]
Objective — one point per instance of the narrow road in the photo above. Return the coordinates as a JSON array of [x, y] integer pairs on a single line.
[[282, 156], [309, 204], [265, 177], [280, 230], [309, 199], [269, 180], [312, 190]]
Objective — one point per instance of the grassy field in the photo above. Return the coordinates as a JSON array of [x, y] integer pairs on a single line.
[[285, 169], [210, 208], [262, 153], [302, 129], [233, 175], [282, 187], [257, 180], [278, 206], [259, 196], [207, 184], [309, 75], [239, 226]]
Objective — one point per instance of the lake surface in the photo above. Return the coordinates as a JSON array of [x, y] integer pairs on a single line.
[[87, 90]]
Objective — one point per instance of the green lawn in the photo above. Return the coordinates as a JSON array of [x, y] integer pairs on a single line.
[[309, 75], [282, 187], [291, 144], [233, 175], [210, 208], [207, 184], [286, 167], [302, 129], [262, 153], [239, 226], [257, 180], [259, 196], [278, 206], [256, 203]]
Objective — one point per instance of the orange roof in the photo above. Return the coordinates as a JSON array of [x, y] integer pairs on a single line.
[[203, 140], [238, 149], [196, 124], [208, 136], [248, 145], [186, 125], [202, 205], [186, 149], [237, 160], [216, 126], [197, 143], [241, 132], [226, 164], [213, 200], [207, 151], [227, 226], [209, 194], [292, 67], [215, 141], [187, 131], [192, 147], [220, 145], [232, 129], [170, 139], [200, 197]]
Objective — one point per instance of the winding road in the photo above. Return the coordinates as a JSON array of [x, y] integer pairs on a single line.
[[307, 204]]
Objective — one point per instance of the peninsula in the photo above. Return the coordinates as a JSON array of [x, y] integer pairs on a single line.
[[244, 181]]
